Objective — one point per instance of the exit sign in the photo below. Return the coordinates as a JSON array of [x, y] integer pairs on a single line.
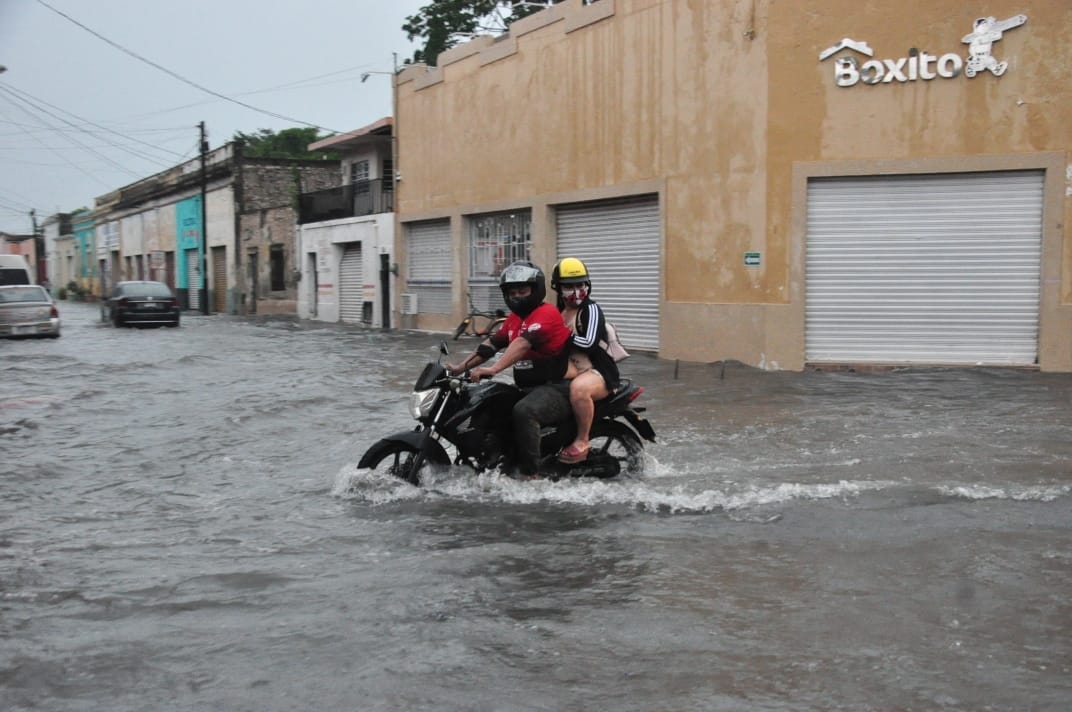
[[752, 259]]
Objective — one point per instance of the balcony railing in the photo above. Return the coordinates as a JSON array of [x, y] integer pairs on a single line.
[[366, 197]]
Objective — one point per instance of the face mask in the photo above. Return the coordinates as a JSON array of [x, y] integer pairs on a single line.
[[574, 297]]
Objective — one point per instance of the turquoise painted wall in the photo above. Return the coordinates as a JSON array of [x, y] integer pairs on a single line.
[[187, 237], [85, 238]]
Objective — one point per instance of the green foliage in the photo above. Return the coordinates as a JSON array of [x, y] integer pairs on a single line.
[[439, 23], [288, 143]]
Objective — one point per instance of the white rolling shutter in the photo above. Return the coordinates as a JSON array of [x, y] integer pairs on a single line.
[[193, 279], [428, 274], [351, 282], [940, 269], [620, 243]]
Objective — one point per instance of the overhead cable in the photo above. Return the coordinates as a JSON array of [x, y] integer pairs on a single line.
[[181, 78]]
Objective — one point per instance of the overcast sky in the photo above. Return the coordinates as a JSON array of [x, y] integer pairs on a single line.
[[80, 117]]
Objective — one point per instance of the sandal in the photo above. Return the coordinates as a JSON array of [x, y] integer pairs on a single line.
[[571, 454]]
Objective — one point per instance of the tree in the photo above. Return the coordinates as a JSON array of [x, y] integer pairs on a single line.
[[288, 143], [444, 23]]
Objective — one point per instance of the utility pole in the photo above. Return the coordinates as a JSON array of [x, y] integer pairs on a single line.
[[386, 270], [204, 221], [38, 249], [385, 273]]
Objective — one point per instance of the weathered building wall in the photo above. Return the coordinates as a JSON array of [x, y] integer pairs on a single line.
[[268, 217], [726, 108]]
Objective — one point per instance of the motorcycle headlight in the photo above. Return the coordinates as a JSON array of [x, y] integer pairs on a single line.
[[421, 403]]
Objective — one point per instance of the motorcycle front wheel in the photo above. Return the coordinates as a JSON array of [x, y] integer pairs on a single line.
[[609, 437], [394, 458]]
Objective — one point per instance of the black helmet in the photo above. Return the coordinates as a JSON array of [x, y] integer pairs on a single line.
[[569, 271], [518, 274]]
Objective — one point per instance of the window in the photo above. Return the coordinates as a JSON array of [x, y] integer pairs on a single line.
[[428, 274], [494, 242], [143, 289], [277, 263], [359, 171], [387, 184]]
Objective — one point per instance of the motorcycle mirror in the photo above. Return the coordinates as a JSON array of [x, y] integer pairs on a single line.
[[443, 348]]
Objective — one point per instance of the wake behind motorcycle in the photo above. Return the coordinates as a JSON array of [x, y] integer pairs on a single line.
[[473, 420]]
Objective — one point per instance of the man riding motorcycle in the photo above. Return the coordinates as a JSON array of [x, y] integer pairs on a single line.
[[537, 344]]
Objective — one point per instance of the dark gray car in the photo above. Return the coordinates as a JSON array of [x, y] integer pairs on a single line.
[[141, 303]]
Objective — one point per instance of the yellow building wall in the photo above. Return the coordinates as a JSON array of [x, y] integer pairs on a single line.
[[724, 107]]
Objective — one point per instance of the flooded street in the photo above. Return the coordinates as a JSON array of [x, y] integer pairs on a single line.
[[183, 527]]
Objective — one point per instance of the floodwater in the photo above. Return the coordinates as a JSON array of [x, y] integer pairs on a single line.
[[183, 527]]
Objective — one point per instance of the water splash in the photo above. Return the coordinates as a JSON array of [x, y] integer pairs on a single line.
[[661, 491]]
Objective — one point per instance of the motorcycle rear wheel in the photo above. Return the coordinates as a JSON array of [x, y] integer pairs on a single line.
[[610, 437], [394, 458]]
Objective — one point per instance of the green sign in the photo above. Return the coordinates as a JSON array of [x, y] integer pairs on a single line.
[[752, 259]]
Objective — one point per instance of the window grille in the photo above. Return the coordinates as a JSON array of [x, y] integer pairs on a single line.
[[359, 171], [495, 241]]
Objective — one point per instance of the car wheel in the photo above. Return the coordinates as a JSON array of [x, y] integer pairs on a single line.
[[117, 320]]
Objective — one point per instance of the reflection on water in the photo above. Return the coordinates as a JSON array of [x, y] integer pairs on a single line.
[[183, 526]]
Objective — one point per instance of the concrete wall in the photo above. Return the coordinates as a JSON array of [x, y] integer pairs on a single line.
[[727, 108], [322, 248]]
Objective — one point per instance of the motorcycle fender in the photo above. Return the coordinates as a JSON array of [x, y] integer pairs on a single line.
[[642, 426], [433, 451]]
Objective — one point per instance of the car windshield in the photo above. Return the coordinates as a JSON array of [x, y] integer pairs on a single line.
[[30, 293], [145, 289]]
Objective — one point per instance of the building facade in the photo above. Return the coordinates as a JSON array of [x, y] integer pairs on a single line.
[[56, 236], [856, 184], [346, 232], [223, 238]]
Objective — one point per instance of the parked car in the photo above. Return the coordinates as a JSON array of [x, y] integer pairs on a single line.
[[141, 303], [28, 310]]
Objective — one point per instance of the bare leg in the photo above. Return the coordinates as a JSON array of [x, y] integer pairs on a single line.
[[585, 390]]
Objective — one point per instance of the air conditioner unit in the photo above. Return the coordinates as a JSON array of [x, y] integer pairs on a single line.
[[409, 303]]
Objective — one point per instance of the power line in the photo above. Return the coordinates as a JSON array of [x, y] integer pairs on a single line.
[[64, 158], [23, 94], [296, 84], [181, 78], [72, 139]]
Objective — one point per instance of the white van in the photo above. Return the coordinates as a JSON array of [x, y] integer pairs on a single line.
[[14, 269]]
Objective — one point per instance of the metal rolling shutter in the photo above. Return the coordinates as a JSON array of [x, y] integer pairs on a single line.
[[193, 279], [429, 272], [351, 281], [937, 269], [619, 242], [219, 279]]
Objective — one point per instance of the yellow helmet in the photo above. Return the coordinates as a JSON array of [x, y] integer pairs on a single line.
[[569, 270]]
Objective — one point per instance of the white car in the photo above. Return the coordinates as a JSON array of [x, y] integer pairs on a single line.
[[28, 310]]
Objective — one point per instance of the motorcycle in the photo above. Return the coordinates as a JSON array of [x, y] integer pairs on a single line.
[[474, 421]]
